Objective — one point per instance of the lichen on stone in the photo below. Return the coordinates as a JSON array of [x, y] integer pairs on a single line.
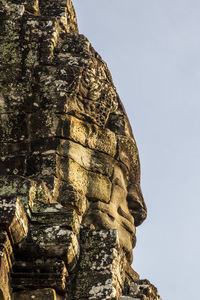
[[70, 195]]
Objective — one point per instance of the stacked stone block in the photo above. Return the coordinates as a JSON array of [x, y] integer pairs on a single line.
[[70, 194]]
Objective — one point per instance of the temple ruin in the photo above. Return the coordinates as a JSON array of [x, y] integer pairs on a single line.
[[70, 195]]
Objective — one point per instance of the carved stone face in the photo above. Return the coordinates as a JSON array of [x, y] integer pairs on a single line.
[[102, 169], [69, 132], [67, 158]]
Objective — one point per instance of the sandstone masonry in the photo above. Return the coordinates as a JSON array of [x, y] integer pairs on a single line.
[[70, 195]]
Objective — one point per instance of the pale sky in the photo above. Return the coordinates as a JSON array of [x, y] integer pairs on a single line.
[[152, 48]]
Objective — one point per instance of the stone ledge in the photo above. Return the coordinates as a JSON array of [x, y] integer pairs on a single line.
[[39, 294]]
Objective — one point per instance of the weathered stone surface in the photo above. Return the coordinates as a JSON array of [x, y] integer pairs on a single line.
[[89, 135], [101, 268], [70, 194], [90, 160], [13, 219], [39, 294], [142, 289], [66, 194], [53, 233], [31, 274], [6, 253], [115, 214], [55, 214], [93, 185]]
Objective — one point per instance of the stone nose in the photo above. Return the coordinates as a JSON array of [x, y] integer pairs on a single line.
[[136, 204]]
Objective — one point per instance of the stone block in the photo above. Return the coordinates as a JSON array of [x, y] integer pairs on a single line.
[[13, 165], [13, 218], [10, 52], [65, 194], [71, 172], [89, 135], [93, 185], [100, 274], [54, 84], [41, 166], [43, 124], [13, 149], [13, 127], [99, 187], [90, 160], [43, 145], [55, 214], [13, 185], [51, 241], [15, 96], [39, 294], [38, 274]]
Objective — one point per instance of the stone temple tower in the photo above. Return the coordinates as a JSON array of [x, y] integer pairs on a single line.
[[70, 195]]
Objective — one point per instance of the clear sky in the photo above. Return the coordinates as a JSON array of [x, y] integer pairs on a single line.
[[152, 48]]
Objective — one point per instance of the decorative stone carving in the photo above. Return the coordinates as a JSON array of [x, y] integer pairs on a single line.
[[70, 194]]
